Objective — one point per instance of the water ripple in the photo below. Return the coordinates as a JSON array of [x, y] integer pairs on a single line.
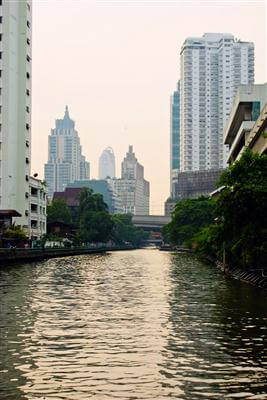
[[130, 325]]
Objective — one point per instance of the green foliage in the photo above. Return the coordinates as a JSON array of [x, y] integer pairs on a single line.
[[90, 201], [188, 218], [241, 209], [95, 226], [15, 232], [58, 211], [124, 230], [95, 222]]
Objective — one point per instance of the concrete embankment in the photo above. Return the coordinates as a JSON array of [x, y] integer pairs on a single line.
[[256, 277], [13, 256]]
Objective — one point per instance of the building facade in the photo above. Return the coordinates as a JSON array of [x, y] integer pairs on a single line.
[[132, 189], [174, 137], [212, 68], [15, 107], [247, 124], [104, 187], [65, 160], [106, 168], [37, 209], [192, 184]]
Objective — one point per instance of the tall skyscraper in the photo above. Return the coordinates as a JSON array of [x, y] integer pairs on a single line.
[[212, 68], [65, 160], [15, 107], [132, 188], [174, 138], [107, 164]]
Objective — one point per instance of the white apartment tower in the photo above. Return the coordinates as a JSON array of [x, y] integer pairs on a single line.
[[106, 166], [66, 163], [15, 106], [212, 68]]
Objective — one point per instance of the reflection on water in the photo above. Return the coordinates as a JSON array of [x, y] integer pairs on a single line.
[[130, 325]]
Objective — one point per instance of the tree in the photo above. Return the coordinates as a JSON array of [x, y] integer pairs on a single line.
[[95, 222], [58, 211], [96, 226], [15, 232], [241, 211], [189, 216], [124, 230]]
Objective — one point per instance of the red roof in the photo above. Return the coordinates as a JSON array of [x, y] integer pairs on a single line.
[[70, 196]]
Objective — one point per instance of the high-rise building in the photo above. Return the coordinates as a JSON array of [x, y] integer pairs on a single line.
[[212, 68], [175, 138], [15, 107], [107, 164], [65, 160], [132, 188]]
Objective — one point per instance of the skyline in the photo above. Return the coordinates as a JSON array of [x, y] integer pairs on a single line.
[[122, 71]]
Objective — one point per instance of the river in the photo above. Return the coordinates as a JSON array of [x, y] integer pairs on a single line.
[[140, 324]]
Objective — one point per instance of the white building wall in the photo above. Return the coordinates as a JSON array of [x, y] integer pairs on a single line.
[[15, 107], [212, 68], [37, 212]]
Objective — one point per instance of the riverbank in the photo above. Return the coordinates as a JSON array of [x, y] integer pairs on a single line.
[[256, 277], [13, 256]]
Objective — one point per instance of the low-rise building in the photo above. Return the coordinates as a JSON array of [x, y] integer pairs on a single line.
[[192, 184], [37, 209], [247, 121], [104, 187]]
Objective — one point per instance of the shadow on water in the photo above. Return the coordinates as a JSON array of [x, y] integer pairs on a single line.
[[217, 334]]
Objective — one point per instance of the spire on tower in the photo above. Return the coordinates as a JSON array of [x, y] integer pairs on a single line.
[[67, 113]]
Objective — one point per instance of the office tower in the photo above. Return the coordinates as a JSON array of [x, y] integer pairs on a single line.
[[15, 107], [212, 68], [175, 138], [107, 164], [132, 188], [65, 160]]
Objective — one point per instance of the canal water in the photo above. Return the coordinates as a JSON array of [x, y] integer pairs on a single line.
[[132, 325]]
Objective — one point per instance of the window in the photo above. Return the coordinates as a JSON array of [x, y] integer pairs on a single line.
[[27, 109], [28, 41], [27, 92], [28, 24], [28, 58], [28, 75]]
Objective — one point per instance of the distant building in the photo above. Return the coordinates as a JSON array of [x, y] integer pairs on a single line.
[[169, 206], [107, 164], [247, 123], [212, 68], [175, 137], [103, 187], [192, 184], [132, 188], [15, 108], [65, 160]]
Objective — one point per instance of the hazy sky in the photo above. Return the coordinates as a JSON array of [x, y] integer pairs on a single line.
[[116, 63]]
